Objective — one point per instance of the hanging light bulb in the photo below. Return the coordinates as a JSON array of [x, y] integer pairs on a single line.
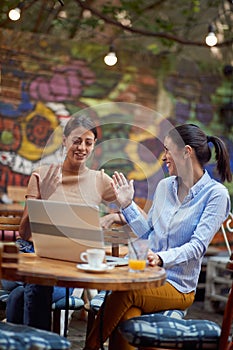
[[14, 14], [211, 38], [110, 59]]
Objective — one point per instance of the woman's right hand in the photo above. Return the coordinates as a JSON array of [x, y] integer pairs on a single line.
[[49, 183], [124, 189]]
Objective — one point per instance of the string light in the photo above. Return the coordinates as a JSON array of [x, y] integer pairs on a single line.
[[211, 38], [111, 58], [14, 14]]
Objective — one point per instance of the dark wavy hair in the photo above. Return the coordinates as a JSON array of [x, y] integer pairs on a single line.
[[80, 121]]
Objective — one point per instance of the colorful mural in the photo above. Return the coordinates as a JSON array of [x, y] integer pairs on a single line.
[[45, 82]]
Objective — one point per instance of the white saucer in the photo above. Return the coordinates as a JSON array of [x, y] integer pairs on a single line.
[[103, 268]]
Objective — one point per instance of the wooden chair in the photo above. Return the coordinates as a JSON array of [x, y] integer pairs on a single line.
[[10, 214], [9, 221], [152, 332], [218, 280], [16, 193], [22, 337]]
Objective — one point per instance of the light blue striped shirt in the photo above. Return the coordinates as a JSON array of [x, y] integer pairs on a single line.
[[181, 232]]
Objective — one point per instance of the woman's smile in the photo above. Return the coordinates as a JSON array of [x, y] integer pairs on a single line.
[[80, 155]]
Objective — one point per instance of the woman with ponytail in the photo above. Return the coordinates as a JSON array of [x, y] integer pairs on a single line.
[[188, 209]]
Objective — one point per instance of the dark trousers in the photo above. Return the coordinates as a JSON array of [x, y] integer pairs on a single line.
[[37, 306], [30, 305]]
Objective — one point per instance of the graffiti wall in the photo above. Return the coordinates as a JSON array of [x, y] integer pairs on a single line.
[[45, 80]]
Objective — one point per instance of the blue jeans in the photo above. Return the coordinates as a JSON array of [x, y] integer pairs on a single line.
[[10, 285], [30, 304], [58, 292]]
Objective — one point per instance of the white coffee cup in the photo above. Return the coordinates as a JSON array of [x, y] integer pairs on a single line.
[[94, 257]]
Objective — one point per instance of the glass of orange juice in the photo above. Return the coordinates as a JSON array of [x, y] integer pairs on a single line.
[[138, 249]]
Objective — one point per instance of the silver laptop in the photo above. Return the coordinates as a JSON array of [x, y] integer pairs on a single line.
[[62, 230]]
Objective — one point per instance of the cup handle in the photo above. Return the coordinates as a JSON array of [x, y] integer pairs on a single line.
[[83, 256]]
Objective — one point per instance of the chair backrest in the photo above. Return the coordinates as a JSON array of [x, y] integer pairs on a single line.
[[227, 320], [16, 193], [229, 226], [10, 221], [9, 255]]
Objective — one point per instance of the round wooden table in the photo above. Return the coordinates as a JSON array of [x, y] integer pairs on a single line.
[[32, 269], [50, 272]]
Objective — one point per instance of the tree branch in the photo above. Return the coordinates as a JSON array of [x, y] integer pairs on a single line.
[[148, 33]]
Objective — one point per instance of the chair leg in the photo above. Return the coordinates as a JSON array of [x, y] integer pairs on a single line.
[[90, 321], [56, 321], [230, 346]]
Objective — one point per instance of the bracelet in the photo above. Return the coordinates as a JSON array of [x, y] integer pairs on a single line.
[[160, 263]]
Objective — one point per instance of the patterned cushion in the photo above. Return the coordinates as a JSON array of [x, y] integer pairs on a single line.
[[4, 294], [98, 299], [18, 337], [75, 303], [157, 330], [179, 314]]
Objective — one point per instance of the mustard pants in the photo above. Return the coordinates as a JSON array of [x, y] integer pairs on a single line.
[[120, 306]]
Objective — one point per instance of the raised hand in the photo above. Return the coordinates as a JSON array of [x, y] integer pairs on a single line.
[[124, 189], [49, 183]]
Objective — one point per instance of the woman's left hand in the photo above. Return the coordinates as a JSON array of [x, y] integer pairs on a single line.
[[123, 189], [154, 259]]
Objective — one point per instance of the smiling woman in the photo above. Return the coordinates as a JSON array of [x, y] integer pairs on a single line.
[[72, 182], [184, 217]]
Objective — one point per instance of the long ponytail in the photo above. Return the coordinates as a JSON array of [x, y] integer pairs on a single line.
[[222, 158]]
